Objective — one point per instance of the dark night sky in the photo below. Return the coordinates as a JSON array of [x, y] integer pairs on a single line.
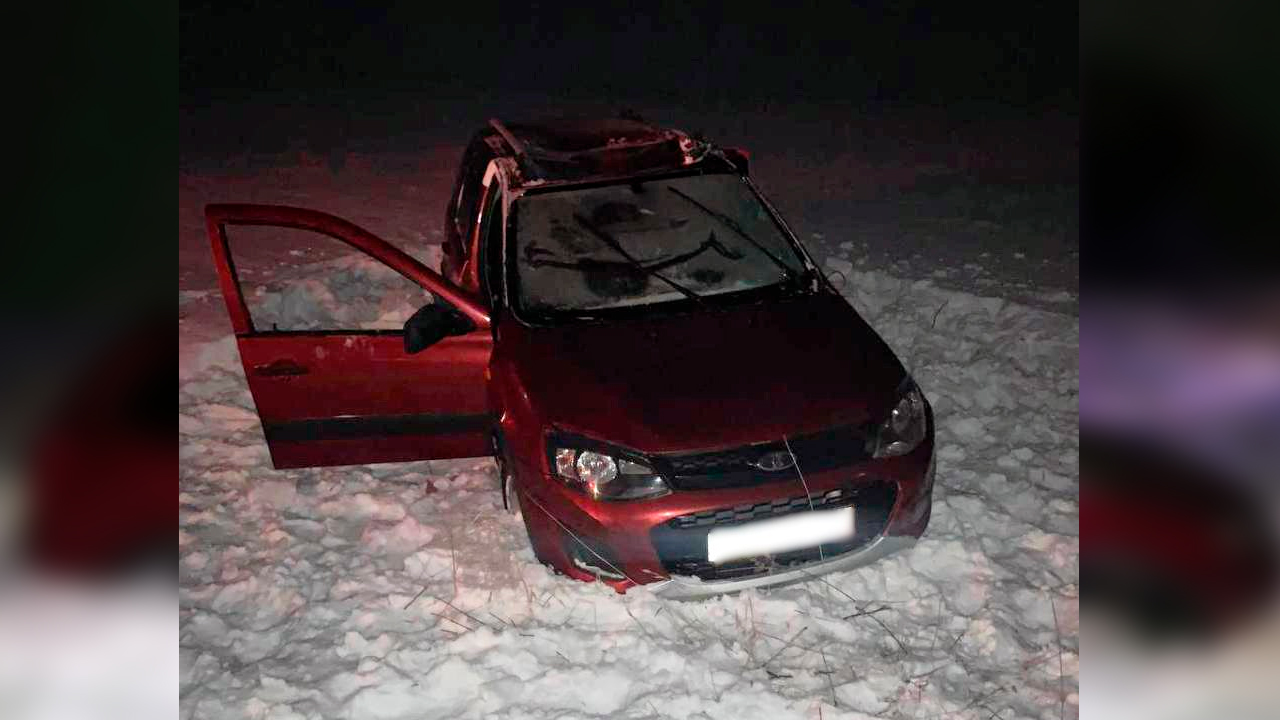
[[1015, 54]]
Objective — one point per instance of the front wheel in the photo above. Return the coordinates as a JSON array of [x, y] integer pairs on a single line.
[[506, 478], [509, 499]]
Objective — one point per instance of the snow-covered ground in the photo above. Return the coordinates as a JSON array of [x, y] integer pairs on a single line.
[[405, 591]]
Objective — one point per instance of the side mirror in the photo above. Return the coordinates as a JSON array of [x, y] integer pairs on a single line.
[[431, 324], [739, 157]]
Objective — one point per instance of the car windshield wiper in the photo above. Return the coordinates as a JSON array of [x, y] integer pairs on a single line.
[[787, 271], [614, 245]]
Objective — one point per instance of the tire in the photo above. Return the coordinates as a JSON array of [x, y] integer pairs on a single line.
[[506, 478], [510, 500]]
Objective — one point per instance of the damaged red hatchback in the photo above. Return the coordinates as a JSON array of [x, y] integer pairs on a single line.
[[672, 390]]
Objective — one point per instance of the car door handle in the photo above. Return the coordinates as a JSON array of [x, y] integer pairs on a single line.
[[280, 368]]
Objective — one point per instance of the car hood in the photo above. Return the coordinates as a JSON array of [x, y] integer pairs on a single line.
[[710, 379]]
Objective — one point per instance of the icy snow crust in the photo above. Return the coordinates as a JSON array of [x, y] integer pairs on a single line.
[[405, 591]]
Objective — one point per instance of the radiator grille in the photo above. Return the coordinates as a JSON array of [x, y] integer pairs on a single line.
[[835, 447]]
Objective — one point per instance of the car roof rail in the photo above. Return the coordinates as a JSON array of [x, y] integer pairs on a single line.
[[521, 152]]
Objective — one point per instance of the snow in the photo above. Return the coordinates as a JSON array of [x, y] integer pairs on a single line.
[[76, 650], [406, 591]]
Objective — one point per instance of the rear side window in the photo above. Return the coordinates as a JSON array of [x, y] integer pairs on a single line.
[[474, 163], [491, 246]]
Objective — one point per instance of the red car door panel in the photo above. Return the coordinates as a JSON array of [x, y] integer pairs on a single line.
[[342, 397]]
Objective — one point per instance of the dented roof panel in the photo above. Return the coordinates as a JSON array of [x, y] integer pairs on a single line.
[[575, 135], [577, 149]]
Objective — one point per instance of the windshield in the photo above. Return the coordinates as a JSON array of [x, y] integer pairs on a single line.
[[644, 243]]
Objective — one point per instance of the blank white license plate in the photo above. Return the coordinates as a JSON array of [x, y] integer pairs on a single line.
[[778, 535]]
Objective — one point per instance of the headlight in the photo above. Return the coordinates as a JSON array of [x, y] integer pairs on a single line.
[[905, 427], [603, 472]]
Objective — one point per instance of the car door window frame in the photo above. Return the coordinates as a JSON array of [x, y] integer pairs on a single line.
[[218, 217], [255, 331]]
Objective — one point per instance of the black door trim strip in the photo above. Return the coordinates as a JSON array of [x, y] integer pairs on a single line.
[[340, 428]]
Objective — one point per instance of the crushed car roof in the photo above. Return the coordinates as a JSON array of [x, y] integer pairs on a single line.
[[573, 149]]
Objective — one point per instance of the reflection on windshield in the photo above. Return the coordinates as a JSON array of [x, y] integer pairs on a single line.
[[644, 243]]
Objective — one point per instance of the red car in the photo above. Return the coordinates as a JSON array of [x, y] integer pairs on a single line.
[[672, 390], [101, 463], [1175, 545]]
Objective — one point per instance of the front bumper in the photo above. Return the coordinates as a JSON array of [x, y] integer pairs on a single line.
[[572, 532], [685, 588]]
